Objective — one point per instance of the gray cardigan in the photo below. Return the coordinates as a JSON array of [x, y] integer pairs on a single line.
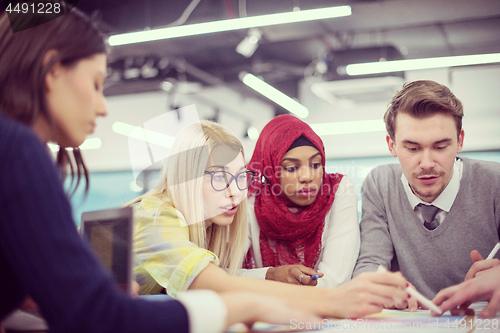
[[393, 236]]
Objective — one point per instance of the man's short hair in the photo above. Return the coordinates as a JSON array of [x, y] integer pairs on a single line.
[[421, 99]]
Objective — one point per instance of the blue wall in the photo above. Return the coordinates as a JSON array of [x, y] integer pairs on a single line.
[[107, 190]]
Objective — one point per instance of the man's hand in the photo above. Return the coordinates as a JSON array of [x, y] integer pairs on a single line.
[[480, 265], [485, 287]]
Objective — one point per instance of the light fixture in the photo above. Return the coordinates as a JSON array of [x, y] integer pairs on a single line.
[[415, 64], [231, 24], [274, 95], [250, 43], [93, 143], [135, 68], [144, 135], [253, 133], [349, 127], [215, 116], [148, 70], [167, 86]]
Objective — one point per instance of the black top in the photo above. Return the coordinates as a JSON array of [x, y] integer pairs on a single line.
[[42, 255]]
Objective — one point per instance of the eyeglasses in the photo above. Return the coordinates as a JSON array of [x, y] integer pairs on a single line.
[[222, 179]]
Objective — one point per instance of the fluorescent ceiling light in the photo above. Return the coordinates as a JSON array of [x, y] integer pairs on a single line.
[[140, 133], [227, 25], [94, 143], [54, 148], [415, 64], [274, 95], [349, 127]]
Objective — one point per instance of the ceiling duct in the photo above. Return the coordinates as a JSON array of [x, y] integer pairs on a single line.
[[355, 92], [345, 91], [339, 59]]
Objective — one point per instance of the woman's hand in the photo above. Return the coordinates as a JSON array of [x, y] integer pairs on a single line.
[[363, 295], [411, 303], [368, 293], [248, 308], [135, 289], [31, 307], [294, 274]]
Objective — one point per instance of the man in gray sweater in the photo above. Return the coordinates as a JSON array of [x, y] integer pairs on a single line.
[[426, 214]]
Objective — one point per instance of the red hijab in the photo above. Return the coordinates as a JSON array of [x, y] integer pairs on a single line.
[[287, 238]]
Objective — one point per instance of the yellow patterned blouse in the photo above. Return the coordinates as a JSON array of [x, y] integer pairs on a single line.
[[163, 255]]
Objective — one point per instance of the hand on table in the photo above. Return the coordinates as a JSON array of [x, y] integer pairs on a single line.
[[480, 265], [411, 303], [248, 308], [484, 287], [368, 292], [294, 274]]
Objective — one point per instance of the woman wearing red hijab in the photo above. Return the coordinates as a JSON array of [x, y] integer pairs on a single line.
[[302, 221]]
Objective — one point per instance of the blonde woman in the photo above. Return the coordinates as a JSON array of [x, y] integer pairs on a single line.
[[190, 232], [176, 210]]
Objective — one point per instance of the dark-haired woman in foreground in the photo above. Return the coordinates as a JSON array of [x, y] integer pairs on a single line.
[[51, 90]]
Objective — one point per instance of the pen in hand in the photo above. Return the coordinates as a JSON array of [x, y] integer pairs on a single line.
[[494, 251], [413, 292], [312, 277]]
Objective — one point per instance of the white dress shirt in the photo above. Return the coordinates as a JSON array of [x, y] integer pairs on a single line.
[[444, 201]]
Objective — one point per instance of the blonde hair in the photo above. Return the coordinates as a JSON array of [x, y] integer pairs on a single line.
[[181, 186]]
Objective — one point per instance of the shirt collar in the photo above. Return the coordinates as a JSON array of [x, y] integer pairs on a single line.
[[445, 200]]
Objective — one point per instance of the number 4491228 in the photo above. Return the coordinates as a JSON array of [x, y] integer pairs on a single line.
[[478, 324], [35, 8]]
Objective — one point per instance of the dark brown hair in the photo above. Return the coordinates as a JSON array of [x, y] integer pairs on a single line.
[[422, 99], [22, 72]]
